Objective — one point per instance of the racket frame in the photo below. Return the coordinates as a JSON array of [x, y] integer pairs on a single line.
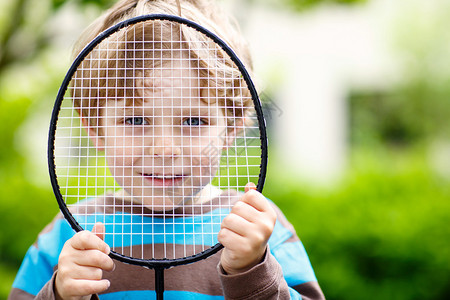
[[157, 264]]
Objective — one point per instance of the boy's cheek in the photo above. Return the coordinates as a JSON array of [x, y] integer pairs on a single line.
[[94, 135], [231, 135], [229, 141], [99, 143]]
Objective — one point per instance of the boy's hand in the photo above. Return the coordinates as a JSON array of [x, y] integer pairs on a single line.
[[245, 231], [81, 264]]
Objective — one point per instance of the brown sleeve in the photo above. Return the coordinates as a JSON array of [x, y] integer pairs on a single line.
[[310, 291], [18, 294], [46, 293], [263, 281]]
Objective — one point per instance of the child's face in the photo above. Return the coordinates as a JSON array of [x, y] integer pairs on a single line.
[[155, 149]]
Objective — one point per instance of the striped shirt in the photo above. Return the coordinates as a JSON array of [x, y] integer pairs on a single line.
[[285, 272]]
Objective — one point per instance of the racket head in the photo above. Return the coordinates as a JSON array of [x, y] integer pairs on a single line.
[[91, 171]]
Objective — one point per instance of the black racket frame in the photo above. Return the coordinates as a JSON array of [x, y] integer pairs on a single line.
[[157, 264]]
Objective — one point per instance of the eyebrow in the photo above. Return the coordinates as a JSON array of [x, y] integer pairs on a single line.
[[200, 110]]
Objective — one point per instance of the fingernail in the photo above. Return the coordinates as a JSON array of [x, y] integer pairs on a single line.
[[250, 186]]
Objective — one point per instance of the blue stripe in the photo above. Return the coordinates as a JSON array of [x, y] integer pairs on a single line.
[[37, 266], [295, 263], [279, 235], [124, 229], [168, 295], [53, 241], [33, 273]]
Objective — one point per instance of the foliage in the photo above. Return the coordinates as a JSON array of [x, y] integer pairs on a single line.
[[413, 109], [305, 4], [24, 207], [381, 234], [102, 3], [409, 114], [24, 28]]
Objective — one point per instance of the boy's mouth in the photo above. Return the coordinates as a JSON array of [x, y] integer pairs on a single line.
[[163, 180]]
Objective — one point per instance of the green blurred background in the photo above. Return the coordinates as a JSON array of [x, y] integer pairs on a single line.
[[377, 231]]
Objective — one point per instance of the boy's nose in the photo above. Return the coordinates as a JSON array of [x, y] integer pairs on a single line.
[[164, 146]]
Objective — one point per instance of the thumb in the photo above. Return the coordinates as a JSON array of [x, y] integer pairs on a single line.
[[99, 230], [250, 186]]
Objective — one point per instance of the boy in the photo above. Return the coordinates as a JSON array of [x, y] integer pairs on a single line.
[[156, 154]]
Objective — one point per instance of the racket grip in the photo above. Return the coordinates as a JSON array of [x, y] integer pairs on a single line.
[[159, 283]]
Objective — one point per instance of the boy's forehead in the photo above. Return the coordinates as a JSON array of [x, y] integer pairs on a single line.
[[173, 72], [171, 79], [167, 104]]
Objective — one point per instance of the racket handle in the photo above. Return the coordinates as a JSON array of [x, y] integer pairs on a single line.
[[159, 283]]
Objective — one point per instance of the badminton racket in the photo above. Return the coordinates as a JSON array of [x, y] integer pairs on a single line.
[[157, 125]]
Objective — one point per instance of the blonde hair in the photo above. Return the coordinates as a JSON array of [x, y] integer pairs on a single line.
[[231, 93]]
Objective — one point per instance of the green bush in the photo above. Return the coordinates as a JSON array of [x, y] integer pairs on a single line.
[[382, 234], [25, 208]]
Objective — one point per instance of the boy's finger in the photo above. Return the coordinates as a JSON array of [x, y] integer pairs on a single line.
[[96, 259], [246, 211], [236, 224], [82, 287], [85, 240], [86, 272], [251, 197], [230, 239], [255, 199], [99, 230], [250, 186]]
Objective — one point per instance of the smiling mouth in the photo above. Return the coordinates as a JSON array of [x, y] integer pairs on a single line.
[[164, 180]]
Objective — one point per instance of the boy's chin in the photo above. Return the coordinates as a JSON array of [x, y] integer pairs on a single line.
[[162, 204], [157, 203]]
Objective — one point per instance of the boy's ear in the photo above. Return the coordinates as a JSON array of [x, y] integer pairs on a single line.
[[95, 138]]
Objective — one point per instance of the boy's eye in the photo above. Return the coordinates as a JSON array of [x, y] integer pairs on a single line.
[[135, 121], [193, 122]]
